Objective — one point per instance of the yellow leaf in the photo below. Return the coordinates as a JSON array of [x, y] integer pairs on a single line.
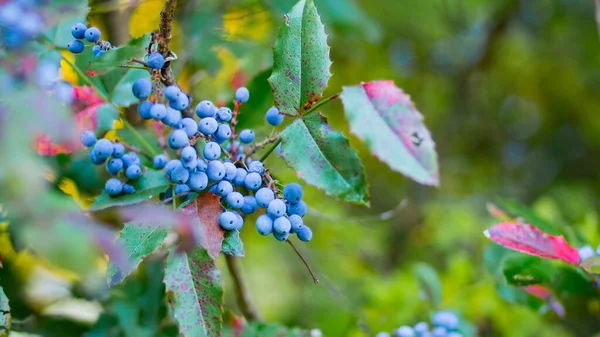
[[145, 18], [247, 22], [68, 74]]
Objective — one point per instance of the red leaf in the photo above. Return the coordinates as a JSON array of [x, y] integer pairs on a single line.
[[545, 294], [205, 211], [531, 240]]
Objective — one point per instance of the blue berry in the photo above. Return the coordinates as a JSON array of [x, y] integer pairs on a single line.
[[133, 172], [75, 46], [256, 166], [118, 150], [240, 177], [454, 334], [228, 221], [403, 331], [144, 109], [191, 164], [103, 148], [114, 166], [276, 208], [160, 161], [230, 171], [95, 159], [128, 189], [208, 125], [224, 114], [211, 151], [304, 233], [238, 146], [296, 222], [188, 153], [95, 50], [439, 332], [181, 188], [78, 30], [297, 208], [155, 60], [215, 170], [178, 139], [292, 192], [421, 328], [113, 186], [280, 236], [181, 103], [198, 181], [273, 116], [189, 125], [142, 88], [240, 221], [383, 334], [242, 95], [446, 319], [87, 138], [249, 205], [253, 181], [282, 225], [131, 159], [586, 252], [201, 165], [264, 196], [180, 175], [172, 165], [223, 132], [172, 92], [264, 225], [158, 111], [247, 136], [235, 199], [100, 53], [224, 188], [92, 34], [206, 109]]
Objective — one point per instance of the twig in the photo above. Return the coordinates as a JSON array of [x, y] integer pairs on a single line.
[[271, 183], [266, 154], [129, 66], [315, 279], [136, 60], [320, 103], [233, 124], [247, 305], [166, 24], [165, 201], [262, 144], [136, 150]]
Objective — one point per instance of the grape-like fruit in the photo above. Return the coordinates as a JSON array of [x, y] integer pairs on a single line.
[[296, 222], [95, 50], [223, 132], [586, 252], [235, 199], [224, 114], [103, 148], [223, 189], [189, 125], [190, 165], [133, 172], [92, 34], [228, 221], [158, 111], [155, 60], [113, 186], [75, 46], [253, 181], [264, 196], [188, 153], [293, 193], [383, 334], [240, 176], [403, 331], [242, 95], [180, 175], [178, 139], [198, 181], [160, 161], [142, 88], [131, 159], [87, 138], [128, 189], [208, 125], [206, 109], [249, 205], [118, 150], [215, 170], [230, 171], [304, 233], [144, 109], [439, 332], [276, 208], [95, 159], [264, 225], [78, 30], [114, 166], [181, 188], [446, 319], [172, 165], [211, 151], [247, 136], [297, 208], [280, 236], [454, 334], [282, 225], [172, 92], [256, 166], [201, 165], [273, 116], [181, 103], [421, 328]]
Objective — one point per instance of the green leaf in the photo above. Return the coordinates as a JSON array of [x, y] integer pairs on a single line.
[[591, 265], [60, 35], [5, 317], [148, 134], [232, 244], [106, 114], [384, 117], [121, 55], [195, 293], [139, 241], [151, 183], [255, 329], [121, 93], [522, 270], [518, 210], [323, 158], [430, 285], [300, 59]]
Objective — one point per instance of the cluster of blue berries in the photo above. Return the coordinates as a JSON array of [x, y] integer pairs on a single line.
[[117, 161], [445, 324], [20, 20], [91, 34], [587, 251]]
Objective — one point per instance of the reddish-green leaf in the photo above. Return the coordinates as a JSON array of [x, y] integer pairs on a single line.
[[205, 210], [195, 293], [385, 118], [300, 59], [531, 240]]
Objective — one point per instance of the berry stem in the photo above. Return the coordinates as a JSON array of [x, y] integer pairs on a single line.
[[244, 299], [136, 150], [320, 103], [262, 144], [165, 26], [129, 66], [236, 109], [315, 279], [266, 154]]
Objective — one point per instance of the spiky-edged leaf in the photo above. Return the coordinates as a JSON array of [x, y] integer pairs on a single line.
[[232, 244]]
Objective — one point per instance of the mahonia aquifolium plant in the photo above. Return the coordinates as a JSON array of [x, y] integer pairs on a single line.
[[444, 324]]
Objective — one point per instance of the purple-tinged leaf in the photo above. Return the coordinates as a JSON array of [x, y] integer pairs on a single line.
[[205, 211]]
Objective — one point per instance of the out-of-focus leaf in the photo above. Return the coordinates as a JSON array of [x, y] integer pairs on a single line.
[[139, 241], [205, 211], [300, 59], [591, 265], [232, 244], [5, 317], [272, 330], [575, 281], [151, 183], [545, 294], [323, 158], [194, 291], [531, 240], [253, 113], [145, 17], [518, 210], [523, 270], [148, 134], [386, 120], [430, 285], [121, 55], [60, 35], [121, 93], [106, 114]]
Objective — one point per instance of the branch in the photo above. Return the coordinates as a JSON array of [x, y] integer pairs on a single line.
[[247, 306], [166, 24], [315, 279]]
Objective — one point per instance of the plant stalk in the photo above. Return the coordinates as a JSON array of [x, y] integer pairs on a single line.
[[245, 302]]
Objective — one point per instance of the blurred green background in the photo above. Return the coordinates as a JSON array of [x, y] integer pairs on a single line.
[[509, 90]]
